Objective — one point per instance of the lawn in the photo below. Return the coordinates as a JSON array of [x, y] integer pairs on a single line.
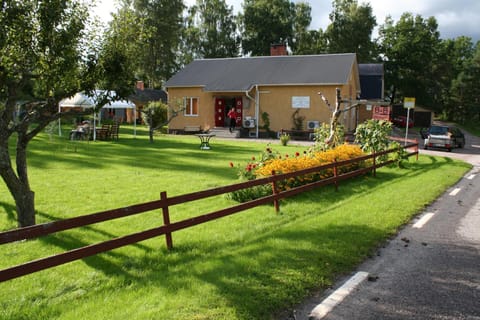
[[247, 266]]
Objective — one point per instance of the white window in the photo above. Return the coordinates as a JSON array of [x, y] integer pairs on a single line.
[[191, 106]]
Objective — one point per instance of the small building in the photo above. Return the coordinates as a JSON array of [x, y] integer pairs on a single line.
[[372, 83], [274, 87], [143, 96]]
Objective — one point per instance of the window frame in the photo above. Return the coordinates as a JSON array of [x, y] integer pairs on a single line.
[[188, 112]]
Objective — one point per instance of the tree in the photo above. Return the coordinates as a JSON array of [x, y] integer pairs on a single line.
[[466, 90], [155, 115], [266, 22], [42, 60], [211, 30], [453, 60], [162, 28], [351, 30], [410, 51]]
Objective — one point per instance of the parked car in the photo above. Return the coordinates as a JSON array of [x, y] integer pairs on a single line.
[[445, 137], [401, 121]]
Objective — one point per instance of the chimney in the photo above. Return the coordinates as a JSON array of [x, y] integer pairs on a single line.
[[140, 85], [279, 49]]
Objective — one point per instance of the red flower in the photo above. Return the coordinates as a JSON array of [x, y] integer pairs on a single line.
[[297, 154], [286, 156], [253, 158], [231, 165]]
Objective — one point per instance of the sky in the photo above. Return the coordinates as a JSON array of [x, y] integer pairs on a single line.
[[454, 17]]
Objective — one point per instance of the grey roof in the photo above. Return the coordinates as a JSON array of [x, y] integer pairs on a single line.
[[370, 69], [147, 95], [241, 74]]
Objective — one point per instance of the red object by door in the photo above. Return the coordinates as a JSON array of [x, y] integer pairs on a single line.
[[239, 110], [219, 112]]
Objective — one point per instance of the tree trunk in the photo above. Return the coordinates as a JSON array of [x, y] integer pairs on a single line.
[[150, 133], [18, 185], [26, 209], [331, 141]]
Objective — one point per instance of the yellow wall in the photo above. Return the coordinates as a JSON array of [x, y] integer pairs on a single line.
[[275, 100]]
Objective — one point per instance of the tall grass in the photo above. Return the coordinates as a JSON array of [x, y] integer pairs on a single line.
[[246, 266]]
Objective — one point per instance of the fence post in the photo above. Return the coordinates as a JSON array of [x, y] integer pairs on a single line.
[[166, 220], [335, 174], [416, 148], [276, 203], [374, 163]]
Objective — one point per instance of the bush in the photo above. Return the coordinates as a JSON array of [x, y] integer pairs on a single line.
[[323, 132]]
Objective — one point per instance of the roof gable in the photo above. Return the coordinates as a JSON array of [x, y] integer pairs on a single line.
[[241, 74]]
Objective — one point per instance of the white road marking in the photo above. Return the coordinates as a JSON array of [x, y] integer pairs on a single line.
[[470, 177], [420, 223], [455, 191], [336, 297]]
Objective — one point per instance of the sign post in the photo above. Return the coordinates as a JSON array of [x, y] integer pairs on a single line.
[[408, 103]]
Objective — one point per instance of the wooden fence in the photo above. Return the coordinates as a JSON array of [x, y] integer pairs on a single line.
[[166, 202]]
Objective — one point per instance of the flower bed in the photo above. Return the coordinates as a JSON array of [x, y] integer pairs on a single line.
[[274, 163]]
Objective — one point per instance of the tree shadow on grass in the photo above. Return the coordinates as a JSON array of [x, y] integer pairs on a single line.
[[10, 211]]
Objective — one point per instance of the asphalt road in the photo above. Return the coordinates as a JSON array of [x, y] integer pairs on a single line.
[[431, 270]]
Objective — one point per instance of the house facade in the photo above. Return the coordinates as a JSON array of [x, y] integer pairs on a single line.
[[276, 88]]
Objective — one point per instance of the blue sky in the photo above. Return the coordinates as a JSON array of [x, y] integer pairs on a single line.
[[455, 17]]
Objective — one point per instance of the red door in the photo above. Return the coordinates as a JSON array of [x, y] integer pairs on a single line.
[[239, 110], [219, 112]]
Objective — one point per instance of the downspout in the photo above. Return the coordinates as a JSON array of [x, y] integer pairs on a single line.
[[256, 108]]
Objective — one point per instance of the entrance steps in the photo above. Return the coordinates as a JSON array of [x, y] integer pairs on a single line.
[[225, 133]]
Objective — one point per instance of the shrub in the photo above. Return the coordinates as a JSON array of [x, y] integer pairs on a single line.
[[323, 132], [284, 139]]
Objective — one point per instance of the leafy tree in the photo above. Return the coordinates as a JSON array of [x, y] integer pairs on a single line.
[[306, 41], [311, 42], [43, 59], [351, 29], [126, 31], [211, 30], [466, 90], [266, 22], [157, 114], [154, 114], [373, 135], [409, 51], [151, 31]]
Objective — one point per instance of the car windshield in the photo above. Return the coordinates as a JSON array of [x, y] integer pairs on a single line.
[[438, 130]]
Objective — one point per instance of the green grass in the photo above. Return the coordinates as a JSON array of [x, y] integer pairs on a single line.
[[247, 266], [472, 126]]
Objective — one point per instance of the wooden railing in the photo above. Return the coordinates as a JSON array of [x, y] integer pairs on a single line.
[[165, 203]]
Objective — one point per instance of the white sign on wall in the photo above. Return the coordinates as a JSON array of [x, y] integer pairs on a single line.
[[301, 102]]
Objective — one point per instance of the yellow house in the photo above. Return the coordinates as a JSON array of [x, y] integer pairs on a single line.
[[275, 87]]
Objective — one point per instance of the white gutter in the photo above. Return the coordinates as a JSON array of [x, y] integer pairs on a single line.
[[256, 108]]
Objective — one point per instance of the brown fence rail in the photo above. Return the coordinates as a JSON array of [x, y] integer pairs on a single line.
[[165, 203]]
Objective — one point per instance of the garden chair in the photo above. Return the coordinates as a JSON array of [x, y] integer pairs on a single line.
[[114, 131]]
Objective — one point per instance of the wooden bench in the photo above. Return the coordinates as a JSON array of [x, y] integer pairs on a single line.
[[192, 129]]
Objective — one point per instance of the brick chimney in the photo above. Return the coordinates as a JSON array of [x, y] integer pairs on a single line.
[[279, 49], [140, 85]]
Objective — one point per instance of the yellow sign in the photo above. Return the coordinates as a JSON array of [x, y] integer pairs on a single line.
[[409, 103]]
